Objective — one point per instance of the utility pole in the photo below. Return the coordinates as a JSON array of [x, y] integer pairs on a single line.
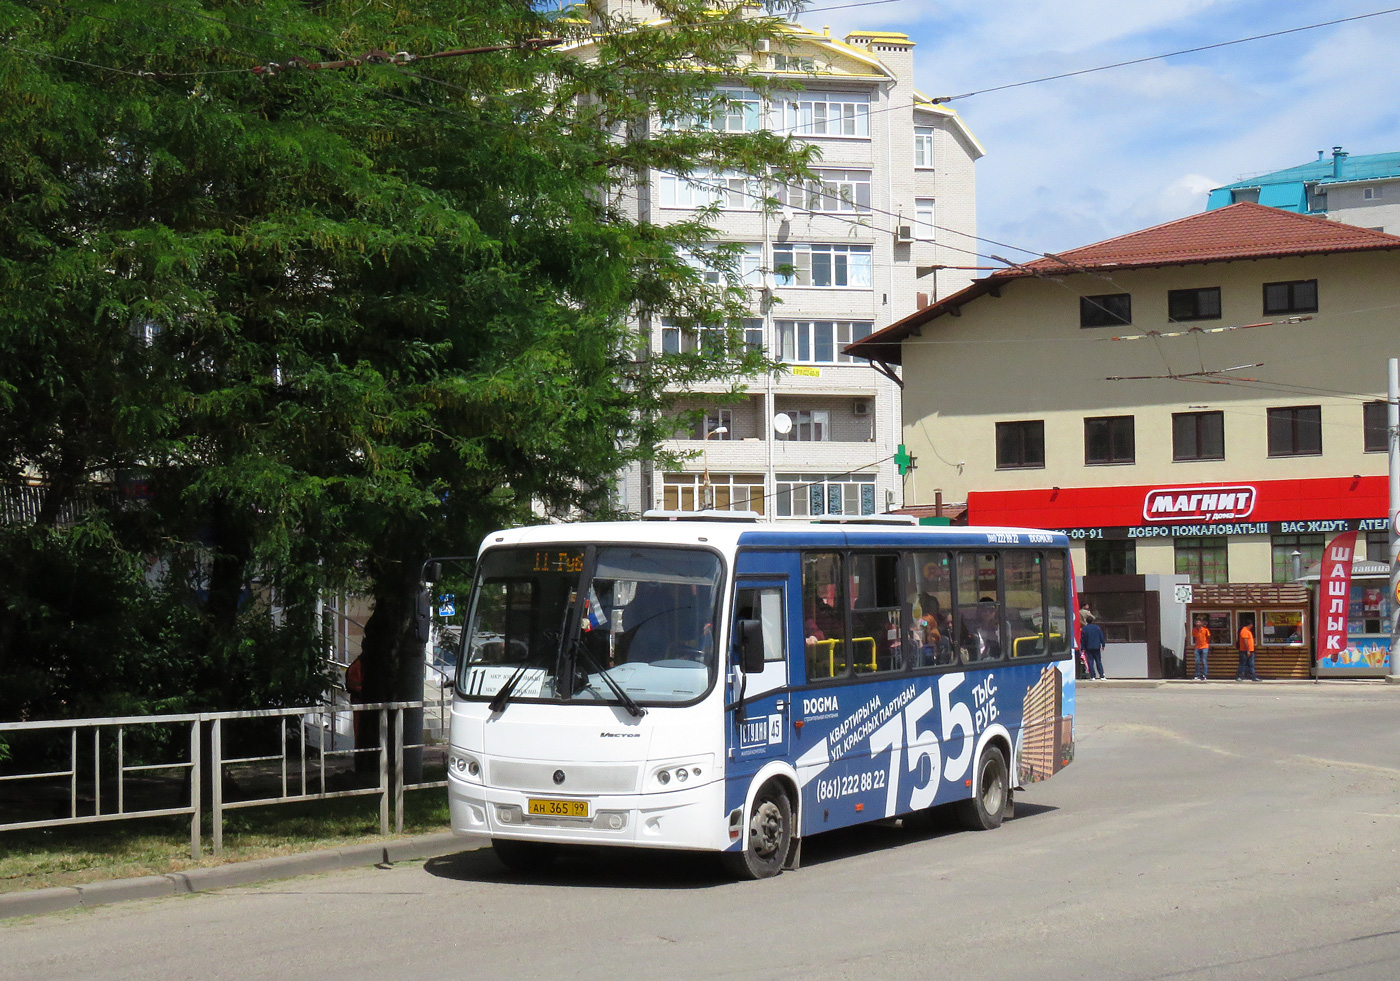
[[1392, 428]]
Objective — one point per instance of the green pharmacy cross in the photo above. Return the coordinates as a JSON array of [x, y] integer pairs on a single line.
[[904, 459]]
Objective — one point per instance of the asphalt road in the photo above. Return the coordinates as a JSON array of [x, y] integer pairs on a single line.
[[1210, 831]]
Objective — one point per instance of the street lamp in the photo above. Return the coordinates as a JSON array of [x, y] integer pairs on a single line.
[[708, 493]]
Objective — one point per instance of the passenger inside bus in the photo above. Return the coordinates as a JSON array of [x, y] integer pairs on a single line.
[[979, 632], [931, 628]]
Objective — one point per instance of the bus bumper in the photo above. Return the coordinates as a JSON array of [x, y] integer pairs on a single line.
[[692, 818]]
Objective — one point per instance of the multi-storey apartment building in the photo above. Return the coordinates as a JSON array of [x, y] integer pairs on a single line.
[[839, 260], [1361, 189]]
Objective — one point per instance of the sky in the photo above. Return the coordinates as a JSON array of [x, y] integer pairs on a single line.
[[1078, 160]]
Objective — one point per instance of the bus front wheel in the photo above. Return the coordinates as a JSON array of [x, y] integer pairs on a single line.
[[769, 837], [987, 807]]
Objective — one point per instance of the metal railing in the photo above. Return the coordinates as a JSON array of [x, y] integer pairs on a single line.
[[298, 772]]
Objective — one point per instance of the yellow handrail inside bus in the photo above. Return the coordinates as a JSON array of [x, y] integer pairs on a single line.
[[1036, 638], [830, 646]]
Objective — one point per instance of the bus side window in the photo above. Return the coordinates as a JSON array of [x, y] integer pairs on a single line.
[[1057, 601], [875, 605], [823, 615], [1025, 603], [766, 606], [980, 634], [929, 637]]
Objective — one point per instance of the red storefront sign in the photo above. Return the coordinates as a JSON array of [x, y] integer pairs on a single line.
[[1325, 505], [1333, 594], [1198, 504]]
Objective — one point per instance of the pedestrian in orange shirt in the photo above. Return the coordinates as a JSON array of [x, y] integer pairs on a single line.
[[1246, 667], [1201, 638]]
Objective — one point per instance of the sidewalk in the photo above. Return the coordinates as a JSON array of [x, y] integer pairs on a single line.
[[36, 902]]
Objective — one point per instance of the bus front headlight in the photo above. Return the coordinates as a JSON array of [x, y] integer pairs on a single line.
[[680, 773], [463, 766]]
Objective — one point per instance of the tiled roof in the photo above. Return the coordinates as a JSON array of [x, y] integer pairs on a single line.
[[1241, 231]]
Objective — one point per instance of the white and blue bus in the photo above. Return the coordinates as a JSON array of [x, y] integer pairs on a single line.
[[734, 686]]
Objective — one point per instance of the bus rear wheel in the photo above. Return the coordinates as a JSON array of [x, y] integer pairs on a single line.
[[524, 856], [988, 806], [769, 837]]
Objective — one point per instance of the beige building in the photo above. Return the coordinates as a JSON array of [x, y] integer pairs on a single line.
[[896, 172], [1202, 399]]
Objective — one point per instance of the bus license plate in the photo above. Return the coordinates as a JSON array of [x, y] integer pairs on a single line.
[[558, 808]]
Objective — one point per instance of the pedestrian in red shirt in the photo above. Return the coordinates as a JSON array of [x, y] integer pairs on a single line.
[[1201, 638], [1246, 668]]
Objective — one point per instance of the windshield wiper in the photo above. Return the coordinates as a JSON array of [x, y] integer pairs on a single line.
[[580, 649], [498, 704]]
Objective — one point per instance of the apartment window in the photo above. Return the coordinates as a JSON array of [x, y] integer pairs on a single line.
[[1295, 430], [923, 219], [1282, 547], [813, 495], [819, 341], [720, 491], [833, 191], [1197, 304], [741, 113], [715, 419], [1205, 560], [800, 264], [923, 146], [1370, 193], [1249, 194], [1106, 310], [828, 114], [743, 262], [1021, 445], [1108, 440], [1298, 296], [704, 188], [1317, 199], [676, 339], [1377, 546], [1198, 436], [734, 110], [809, 426], [792, 63], [1373, 425], [1105, 557]]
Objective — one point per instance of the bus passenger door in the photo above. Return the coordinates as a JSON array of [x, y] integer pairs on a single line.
[[759, 701]]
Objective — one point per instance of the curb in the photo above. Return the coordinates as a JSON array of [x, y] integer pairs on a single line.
[[37, 902]]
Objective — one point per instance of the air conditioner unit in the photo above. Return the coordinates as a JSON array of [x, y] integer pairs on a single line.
[[904, 234], [860, 407]]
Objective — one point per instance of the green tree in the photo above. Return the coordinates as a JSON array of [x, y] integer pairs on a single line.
[[339, 320]]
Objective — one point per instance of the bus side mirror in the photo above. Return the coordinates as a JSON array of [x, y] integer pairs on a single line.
[[751, 646], [423, 615]]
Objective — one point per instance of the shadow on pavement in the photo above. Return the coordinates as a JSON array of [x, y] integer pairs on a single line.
[[593, 867], [888, 835], [641, 868]]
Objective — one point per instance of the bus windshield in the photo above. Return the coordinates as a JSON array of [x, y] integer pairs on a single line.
[[645, 617]]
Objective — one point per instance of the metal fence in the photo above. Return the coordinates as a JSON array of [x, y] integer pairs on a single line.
[[313, 748]]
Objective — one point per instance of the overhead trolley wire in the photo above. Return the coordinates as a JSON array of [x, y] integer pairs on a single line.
[[1169, 54]]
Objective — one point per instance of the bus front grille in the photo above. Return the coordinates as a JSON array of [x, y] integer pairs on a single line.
[[579, 778]]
